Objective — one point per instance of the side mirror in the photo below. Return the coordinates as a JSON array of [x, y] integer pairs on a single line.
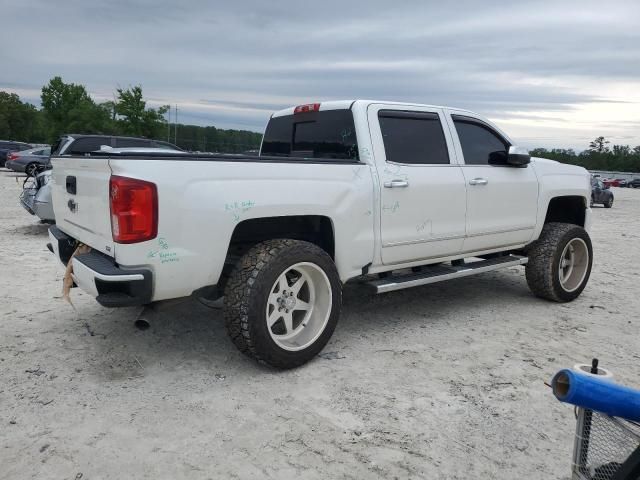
[[518, 157]]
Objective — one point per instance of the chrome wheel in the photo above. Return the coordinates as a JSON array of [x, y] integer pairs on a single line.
[[574, 264], [299, 306]]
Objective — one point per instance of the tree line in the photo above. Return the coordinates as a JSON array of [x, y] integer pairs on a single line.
[[600, 155], [68, 108]]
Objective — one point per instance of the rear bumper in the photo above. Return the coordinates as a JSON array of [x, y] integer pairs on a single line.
[[12, 166], [98, 275], [42, 210]]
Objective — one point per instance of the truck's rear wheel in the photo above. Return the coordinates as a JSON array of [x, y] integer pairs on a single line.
[[560, 262], [282, 302]]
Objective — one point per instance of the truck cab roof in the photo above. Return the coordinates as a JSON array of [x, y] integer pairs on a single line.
[[347, 104]]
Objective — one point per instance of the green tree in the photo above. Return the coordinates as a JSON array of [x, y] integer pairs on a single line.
[[620, 158], [134, 116], [19, 120], [68, 107], [599, 145]]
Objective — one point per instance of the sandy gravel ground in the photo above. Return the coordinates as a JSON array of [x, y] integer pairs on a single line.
[[443, 381]]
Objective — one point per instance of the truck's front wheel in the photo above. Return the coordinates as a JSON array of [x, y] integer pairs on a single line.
[[282, 302], [560, 262]]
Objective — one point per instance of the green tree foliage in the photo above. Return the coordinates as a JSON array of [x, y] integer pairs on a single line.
[[135, 118], [599, 145], [618, 158], [19, 120], [69, 108]]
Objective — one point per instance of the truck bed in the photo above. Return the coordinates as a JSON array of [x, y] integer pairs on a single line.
[[219, 157]]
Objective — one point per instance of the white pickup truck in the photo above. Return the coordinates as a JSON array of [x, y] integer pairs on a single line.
[[392, 195]]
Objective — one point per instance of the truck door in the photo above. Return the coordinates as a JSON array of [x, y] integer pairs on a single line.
[[502, 200], [423, 195]]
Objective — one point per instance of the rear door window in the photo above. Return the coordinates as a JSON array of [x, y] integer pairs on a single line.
[[413, 137], [328, 134]]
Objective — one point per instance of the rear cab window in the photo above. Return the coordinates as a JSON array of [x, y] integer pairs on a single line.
[[323, 134]]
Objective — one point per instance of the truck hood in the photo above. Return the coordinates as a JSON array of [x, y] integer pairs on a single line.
[[557, 167], [562, 178]]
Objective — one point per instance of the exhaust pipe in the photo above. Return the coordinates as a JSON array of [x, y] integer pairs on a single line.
[[141, 322]]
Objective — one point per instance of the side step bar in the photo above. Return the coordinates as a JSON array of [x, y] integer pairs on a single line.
[[439, 273]]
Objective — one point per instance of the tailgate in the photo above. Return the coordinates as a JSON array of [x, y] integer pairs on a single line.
[[80, 191]]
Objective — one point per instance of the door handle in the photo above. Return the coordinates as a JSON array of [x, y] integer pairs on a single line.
[[478, 181], [396, 184]]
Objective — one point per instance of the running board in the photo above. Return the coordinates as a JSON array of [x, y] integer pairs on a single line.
[[439, 273]]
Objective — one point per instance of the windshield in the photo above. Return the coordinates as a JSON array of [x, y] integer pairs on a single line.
[[58, 144]]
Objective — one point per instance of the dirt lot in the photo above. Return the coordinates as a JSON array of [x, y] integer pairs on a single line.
[[443, 381]]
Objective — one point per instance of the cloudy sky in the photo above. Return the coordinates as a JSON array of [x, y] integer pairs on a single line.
[[553, 74]]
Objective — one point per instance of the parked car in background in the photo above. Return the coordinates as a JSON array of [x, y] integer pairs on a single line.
[[27, 161], [600, 193], [36, 194], [635, 183], [8, 146], [622, 182], [611, 182], [78, 144]]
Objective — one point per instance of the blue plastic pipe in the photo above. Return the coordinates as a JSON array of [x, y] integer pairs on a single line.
[[597, 394]]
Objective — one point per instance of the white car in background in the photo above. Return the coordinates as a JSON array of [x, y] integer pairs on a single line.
[[36, 196]]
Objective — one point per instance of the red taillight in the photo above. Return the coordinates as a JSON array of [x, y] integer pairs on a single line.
[[309, 107], [134, 209], [12, 156]]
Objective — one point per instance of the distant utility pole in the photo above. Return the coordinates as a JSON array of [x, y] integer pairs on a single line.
[[176, 132], [169, 126]]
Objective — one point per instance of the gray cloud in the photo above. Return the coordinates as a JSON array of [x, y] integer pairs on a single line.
[[541, 68]]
